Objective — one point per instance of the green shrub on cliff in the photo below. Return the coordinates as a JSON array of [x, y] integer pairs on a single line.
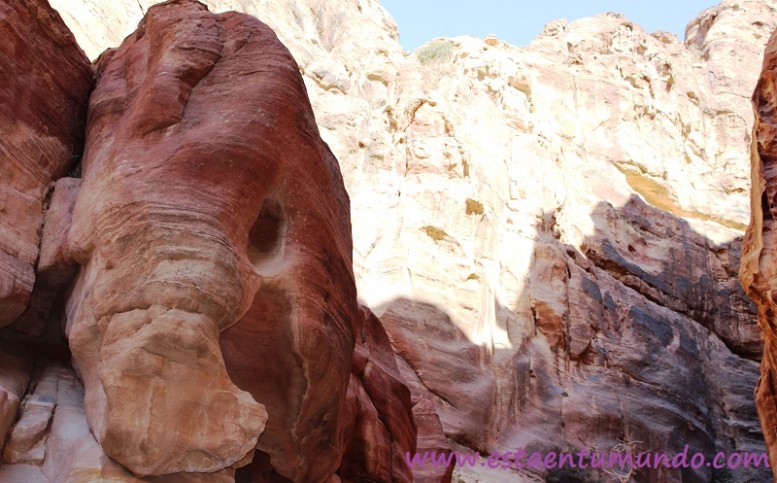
[[437, 51]]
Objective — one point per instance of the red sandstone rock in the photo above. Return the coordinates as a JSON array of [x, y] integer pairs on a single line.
[[14, 377], [758, 271], [378, 423], [209, 203], [453, 369], [45, 84], [379, 404], [44, 88], [532, 135], [430, 434], [55, 266], [165, 268]]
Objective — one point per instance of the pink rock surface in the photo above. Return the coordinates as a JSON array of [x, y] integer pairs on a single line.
[[758, 271], [430, 433], [213, 245], [210, 238], [382, 430], [209, 203], [45, 84], [55, 267], [507, 187], [451, 368], [14, 378]]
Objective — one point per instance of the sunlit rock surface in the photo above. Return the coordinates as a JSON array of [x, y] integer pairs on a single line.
[[549, 234], [213, 313]]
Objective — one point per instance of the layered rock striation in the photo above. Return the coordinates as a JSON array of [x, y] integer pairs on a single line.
[[46, 83], [210, 307], [549, 235], [759, 261]]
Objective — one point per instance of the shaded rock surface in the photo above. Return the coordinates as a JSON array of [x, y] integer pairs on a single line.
[[383, 428], [759, 262], [210, 204], [45, 84], [549, 234], [206, 256]]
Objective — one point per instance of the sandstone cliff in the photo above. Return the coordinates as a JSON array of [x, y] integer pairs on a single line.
[[45, 86], [759, 261], [209, 245], [46, 82], [549, 234]]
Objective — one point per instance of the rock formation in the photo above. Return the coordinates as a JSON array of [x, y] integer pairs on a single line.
[[382, 410], [45, 85], [549, 236], [759, 260], [46, 82], [213, 313]]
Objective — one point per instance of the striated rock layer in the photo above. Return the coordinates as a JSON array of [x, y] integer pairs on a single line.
[[549, 234], [211, 308], [209, 204], [45, 84], [381, 410], [759, 261]]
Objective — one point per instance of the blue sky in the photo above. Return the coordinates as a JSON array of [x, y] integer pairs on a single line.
[[519, 21]]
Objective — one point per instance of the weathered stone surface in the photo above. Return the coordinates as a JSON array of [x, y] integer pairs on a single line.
[[14, 378], [430, 434], [759, 260], [452, 368], [503, 230], [72, 454], [65, 447], [209, 203], [55, 267], [379, 405], [45, 85], [378, 420], [287, 255], [27, 443], [22, 474]]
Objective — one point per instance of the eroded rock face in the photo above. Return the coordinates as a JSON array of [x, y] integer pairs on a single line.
[[211, 238], [759, 261], [380, 407], [500, 214], [45, 84], [209, 204]]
